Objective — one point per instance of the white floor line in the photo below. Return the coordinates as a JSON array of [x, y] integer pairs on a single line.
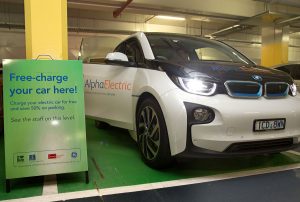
[[57, 197], [294, 152], [50, 185], [157, 185]]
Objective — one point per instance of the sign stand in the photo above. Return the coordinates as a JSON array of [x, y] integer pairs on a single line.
[[8, 182], [87, 177], [44, 101]]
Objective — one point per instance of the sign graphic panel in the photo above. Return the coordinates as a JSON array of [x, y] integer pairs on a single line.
[[44, 118]]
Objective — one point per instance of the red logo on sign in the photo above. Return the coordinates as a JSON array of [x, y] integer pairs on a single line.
[[51, 156]]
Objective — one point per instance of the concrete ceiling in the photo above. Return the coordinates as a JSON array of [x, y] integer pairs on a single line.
[[216, 15], [232, 8], [283, 2], [219, 16]]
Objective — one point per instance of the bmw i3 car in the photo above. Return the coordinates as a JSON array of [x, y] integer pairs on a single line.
[[180, 95]]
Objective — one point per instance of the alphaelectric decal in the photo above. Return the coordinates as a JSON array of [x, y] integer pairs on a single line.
[[106, 84], [44, 118], [95, 84]]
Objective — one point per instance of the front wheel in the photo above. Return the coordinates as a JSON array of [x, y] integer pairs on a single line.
[[152, 134]]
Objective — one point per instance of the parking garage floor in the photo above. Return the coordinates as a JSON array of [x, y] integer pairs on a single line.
[[275, 187], [118, 174]]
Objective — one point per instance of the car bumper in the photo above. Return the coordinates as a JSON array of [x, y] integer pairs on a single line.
[[269, 147], [232, 125]]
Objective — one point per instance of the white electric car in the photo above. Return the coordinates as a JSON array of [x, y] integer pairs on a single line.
[[181, 95]]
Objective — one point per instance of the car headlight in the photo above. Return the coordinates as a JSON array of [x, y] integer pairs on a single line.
[[293, 88], [197, 86]]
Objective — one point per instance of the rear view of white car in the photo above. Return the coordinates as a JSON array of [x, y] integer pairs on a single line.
[[181, 96]]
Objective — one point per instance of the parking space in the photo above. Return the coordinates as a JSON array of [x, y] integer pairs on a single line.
[[114, 162]]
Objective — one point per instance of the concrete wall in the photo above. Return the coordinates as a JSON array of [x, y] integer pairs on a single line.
[[12, 42]]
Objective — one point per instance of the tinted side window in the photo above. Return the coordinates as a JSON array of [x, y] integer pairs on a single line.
[[134, 52], [120, 48]]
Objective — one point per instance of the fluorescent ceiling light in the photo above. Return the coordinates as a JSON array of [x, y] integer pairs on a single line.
[[203, 19], [209, 36], [165, 17]]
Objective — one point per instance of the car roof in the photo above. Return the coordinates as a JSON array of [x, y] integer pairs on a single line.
[[286, 65], [178, 35]]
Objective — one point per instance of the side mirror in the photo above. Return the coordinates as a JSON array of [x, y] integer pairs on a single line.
[[117, 58]]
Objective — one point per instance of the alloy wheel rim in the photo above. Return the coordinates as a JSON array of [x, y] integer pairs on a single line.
[[149, 133]]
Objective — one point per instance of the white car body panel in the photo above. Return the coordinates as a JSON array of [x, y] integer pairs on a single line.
[[233, 121], [120, 112], [236, 117]]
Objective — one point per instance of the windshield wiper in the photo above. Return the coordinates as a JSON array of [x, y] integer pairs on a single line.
[[237, 62]]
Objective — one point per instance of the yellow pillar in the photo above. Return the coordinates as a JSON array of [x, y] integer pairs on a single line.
[[46, 28], [275, 46]]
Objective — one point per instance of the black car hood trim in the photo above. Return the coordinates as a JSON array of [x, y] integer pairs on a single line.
[[221, 72]]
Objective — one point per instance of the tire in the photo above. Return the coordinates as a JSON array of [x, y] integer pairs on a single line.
[[101, 125], [152, 135]]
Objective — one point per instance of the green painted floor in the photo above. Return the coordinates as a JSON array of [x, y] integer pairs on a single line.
[[21, 187], [116, 155]]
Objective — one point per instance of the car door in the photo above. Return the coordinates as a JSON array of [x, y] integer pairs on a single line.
[[111, 99]]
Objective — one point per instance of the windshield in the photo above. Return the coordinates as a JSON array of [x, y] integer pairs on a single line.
[[183, 49]]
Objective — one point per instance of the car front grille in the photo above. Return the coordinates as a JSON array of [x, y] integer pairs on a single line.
[[251, 89], [245, 89], [276, 89], [267, 145]]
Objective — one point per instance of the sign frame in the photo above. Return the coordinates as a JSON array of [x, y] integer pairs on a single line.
[[44, 118]]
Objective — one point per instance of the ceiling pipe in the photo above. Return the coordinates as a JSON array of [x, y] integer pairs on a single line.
[[150, 11], [225, 29], [147, 20], [118, 11], [241, 25], [288, 20]]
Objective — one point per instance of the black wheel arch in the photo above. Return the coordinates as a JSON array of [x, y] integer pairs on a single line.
[[165, 157], [144, 96]]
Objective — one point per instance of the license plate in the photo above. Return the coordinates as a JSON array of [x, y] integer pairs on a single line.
[[269, 124]]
